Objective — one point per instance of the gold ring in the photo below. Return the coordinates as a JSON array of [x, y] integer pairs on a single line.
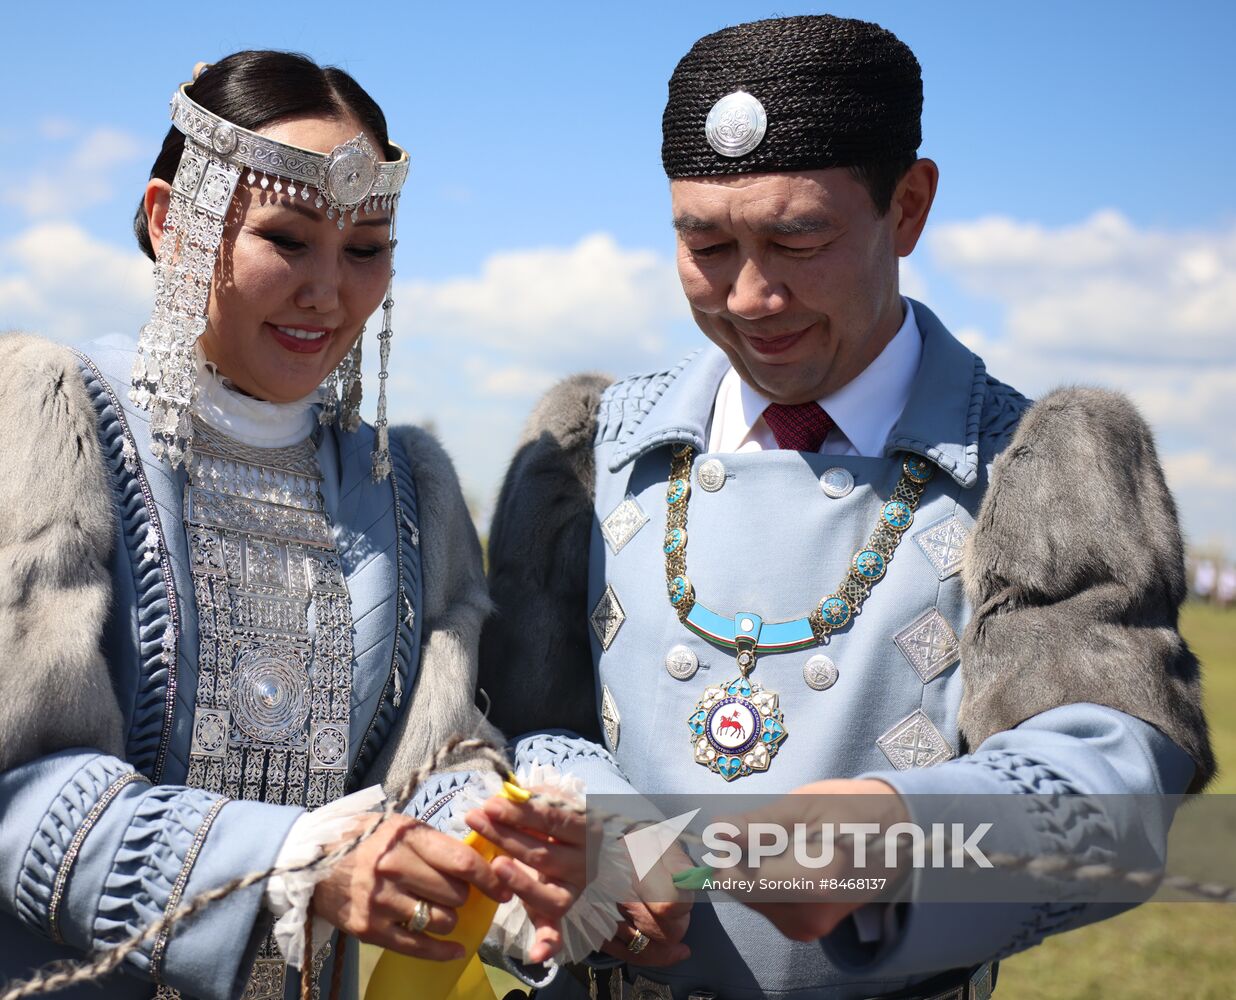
[[420, 917], [639, 943]]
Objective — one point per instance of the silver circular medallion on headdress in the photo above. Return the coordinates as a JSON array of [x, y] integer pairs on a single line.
[[349, 173], [736, 124], [223, 138]]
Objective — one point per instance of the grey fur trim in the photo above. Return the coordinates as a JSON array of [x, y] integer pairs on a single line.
[[1075, 571], [454, 603], [538, 569], [56, 537]]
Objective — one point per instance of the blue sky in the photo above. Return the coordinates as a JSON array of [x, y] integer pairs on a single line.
[[1085, 228]]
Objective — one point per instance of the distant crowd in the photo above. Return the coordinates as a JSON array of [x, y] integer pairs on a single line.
[[1213, 581]]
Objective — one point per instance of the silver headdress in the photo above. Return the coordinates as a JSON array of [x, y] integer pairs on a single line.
[[348, 180]]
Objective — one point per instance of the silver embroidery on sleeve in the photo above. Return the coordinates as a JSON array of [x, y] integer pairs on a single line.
[[610, 718]]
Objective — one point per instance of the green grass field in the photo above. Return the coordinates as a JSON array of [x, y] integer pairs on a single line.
[[1161, 949]]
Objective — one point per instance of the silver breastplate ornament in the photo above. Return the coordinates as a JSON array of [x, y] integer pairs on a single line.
[[275, 623], [271, 719]]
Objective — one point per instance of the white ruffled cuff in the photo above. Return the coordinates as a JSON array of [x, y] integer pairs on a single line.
[[287, 896], [594, 917]]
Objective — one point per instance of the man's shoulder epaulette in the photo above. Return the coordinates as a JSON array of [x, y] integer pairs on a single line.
[[626, 403], [1001, 412]]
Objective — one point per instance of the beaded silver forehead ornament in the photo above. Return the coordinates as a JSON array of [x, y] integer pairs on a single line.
[[348, 180]]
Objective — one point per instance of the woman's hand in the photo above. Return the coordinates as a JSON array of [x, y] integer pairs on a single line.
[[546, 866], [373, 892]]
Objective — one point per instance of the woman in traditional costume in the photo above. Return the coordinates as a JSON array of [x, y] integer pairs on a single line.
[[226, 602]]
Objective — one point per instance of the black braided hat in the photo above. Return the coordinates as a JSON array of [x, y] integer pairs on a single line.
[[835, 92]]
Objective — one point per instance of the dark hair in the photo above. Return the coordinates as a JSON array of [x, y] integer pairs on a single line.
[[256, 88], [881, 177]]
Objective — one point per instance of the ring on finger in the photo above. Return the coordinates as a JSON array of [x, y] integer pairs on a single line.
[[420, 917], [638, 943]]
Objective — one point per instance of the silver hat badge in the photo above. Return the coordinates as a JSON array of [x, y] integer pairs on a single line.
[[736, 124]]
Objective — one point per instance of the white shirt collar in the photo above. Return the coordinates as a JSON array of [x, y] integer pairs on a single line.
[[250, 421], [864, 409]]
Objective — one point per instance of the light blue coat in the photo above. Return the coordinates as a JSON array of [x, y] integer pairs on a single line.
[[97, 846], [771, 541]]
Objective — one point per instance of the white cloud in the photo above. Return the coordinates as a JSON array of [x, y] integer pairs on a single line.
[[473, 352], [1103, 287], [58, 280], [1151, 312], [74, 179], [912, 283], [508, 381], [102, 148], [565, 305]]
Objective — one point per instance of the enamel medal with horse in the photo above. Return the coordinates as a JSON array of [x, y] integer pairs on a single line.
[[738, 728]]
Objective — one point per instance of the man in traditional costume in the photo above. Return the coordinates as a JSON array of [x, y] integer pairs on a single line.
[[679, 559]]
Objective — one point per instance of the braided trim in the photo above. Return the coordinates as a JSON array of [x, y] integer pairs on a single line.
[[157, 953], [158, 610], [408, 597], [65, 871]]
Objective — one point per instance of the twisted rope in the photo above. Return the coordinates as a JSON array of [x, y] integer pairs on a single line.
[[63, 974], [60, 975], [1057, 866]]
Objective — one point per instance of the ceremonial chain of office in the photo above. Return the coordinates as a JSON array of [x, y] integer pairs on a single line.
[[737, 728]]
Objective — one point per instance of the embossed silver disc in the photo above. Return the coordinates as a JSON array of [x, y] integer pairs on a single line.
[[330, 746], [350, 172], [711, 475], [681, 662], [837, 482], [223, 138], [270, 697], [736, 124], [820, 672]]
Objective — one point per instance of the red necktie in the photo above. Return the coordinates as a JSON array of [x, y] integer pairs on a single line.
[[801, 427]]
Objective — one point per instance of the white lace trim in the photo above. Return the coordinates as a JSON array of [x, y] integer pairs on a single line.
[[250, 421], [287, 896]]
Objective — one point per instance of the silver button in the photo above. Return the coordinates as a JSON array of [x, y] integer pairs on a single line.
[[837, 482], [820, 672], [681, 663], [711, 475]]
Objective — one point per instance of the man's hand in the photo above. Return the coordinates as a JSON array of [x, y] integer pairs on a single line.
[[836, 801], [547, 864], [662, 915]]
